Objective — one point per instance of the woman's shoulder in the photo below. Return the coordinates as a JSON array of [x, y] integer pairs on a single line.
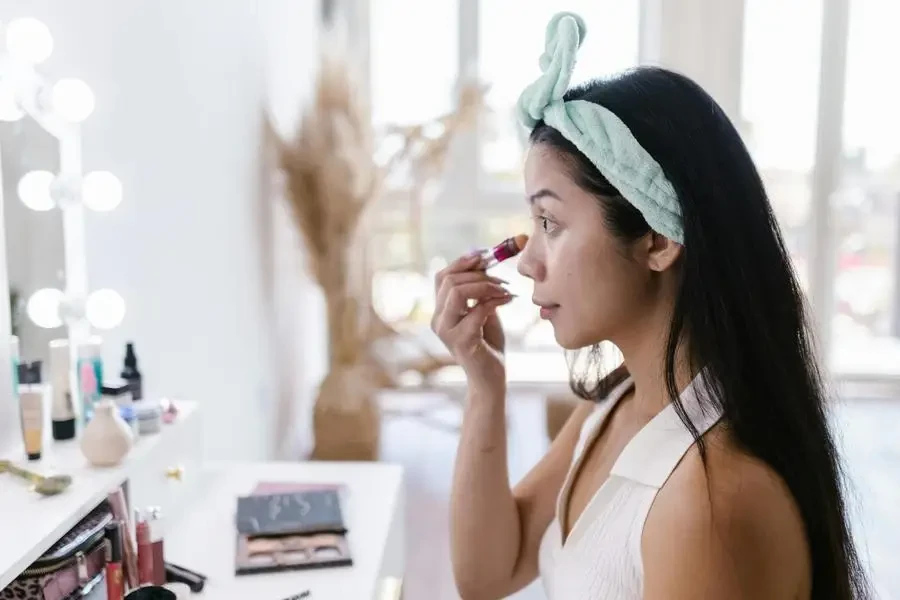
[[731, 522]]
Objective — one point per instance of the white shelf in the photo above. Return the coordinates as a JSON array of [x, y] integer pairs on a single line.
[[31, 524]]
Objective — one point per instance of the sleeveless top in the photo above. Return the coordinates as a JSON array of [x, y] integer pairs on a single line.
[[601, 557]]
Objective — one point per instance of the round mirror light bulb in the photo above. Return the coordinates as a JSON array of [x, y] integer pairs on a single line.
[[28, 40], [34, 190], [43, 308], [101, 191], [72, 99], [105, 309]]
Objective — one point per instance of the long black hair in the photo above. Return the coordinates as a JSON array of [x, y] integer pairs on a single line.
[[739, 307]]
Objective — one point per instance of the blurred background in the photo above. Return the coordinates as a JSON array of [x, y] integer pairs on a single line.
[[206, 269]]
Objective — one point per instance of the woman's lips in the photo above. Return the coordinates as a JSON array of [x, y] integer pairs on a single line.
[[547, 311]]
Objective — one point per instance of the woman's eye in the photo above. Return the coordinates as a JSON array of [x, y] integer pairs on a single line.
[[546, 224]]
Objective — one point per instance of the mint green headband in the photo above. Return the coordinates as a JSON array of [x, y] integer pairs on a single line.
[[597, 132]]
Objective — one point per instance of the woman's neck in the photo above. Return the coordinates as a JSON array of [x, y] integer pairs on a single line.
[[644, 350]]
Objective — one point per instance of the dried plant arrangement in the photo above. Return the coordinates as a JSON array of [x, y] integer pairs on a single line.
[[332, 183]]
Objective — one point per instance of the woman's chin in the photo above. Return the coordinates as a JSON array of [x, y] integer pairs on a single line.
[[574, 338], [566, 339]]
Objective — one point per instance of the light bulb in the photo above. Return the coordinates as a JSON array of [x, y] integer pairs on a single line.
[[43, 308], [101, 191], [9, 106], [28, 40], [72, 99], [34, 190], [105, 309]]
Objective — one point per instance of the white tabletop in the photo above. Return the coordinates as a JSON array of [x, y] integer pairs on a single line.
[[202, 539]]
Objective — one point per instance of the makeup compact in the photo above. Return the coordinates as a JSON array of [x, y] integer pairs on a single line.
[[293, 530]]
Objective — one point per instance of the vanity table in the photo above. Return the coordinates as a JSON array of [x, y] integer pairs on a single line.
[[198, 504]]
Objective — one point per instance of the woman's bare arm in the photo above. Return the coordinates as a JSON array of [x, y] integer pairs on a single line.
[[496, 531]]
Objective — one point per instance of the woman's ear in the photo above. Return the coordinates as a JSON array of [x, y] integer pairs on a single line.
[[662, 252]]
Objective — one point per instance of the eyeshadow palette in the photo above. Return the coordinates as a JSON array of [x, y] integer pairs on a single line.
[[290, 529], [281, 553]]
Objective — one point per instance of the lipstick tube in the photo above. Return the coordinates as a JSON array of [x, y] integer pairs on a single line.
[[144, 548], [115, 579]]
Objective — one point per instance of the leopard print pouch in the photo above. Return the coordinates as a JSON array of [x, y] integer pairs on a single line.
[[73, 561]]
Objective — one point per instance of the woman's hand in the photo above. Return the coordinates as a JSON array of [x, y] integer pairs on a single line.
[[472, 334]]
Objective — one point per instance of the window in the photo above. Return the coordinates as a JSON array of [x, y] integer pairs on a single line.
[[413, 59], [866, 320], [419, 51], [510, 41], [481, 200], [779, 101]]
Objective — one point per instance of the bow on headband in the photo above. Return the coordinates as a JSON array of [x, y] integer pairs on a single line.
[[596, 131]]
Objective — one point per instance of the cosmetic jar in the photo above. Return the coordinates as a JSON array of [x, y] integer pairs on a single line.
[[148, 415], [128, 415]]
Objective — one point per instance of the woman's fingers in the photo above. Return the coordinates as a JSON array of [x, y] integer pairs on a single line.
[[461, 264], [458, 279], [456, 299], [471, 325]]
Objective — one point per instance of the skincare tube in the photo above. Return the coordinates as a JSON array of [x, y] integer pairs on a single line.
[[90, 376], [31, 403], [14, 357], [62, 411]]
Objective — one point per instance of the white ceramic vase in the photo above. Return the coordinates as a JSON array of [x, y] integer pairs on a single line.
[[107, 438]]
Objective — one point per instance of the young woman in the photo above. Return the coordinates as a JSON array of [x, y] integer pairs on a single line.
[[703, 467]]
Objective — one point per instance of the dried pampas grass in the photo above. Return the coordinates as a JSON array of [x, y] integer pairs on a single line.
[[331, 180]]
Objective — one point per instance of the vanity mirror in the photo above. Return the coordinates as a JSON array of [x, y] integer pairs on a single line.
[[41, 172]]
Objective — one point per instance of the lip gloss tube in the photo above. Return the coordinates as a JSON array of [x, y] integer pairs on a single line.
[[115, 580], [503, 251]]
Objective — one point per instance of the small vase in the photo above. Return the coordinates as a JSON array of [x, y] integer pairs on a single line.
[[107, 438]]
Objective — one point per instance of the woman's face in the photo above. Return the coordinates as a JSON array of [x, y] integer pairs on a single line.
[[589, 284]]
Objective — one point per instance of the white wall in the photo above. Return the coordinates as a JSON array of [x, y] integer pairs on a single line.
[[195, 248]]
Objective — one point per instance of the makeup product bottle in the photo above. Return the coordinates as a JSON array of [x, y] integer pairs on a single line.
[[131, 374], [14, 358], [503, 251], [156, 544], [90, 376], [117, 390], [115, 579], [31, 403], [145, 551], [62, 411]]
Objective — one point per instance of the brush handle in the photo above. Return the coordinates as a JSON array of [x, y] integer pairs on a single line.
[[23, 473]]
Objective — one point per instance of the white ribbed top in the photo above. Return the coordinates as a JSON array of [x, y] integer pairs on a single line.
[[601, 557]]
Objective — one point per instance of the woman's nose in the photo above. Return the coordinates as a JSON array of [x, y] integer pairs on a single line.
[[529, 264]]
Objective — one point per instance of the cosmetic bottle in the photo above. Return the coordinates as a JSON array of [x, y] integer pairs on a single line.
[[62, 411], [90, 376], [31, 406], [115, 578], [131, 374], [145, 550], [117, 390], [156, 544], [14, 358]]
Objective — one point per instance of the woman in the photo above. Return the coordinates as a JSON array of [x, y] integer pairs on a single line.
[[703, 467]]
